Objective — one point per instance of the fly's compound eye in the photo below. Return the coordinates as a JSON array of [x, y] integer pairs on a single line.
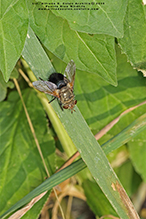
[[65, 107]]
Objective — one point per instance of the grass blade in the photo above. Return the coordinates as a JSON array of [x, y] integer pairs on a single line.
[[86, 144]]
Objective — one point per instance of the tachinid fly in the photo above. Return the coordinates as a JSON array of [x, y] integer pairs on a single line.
[[60, 86]]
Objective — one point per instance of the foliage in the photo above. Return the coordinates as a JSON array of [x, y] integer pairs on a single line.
[[44, 41]]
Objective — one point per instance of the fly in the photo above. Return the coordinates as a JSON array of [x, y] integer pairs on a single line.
[[60, 86]]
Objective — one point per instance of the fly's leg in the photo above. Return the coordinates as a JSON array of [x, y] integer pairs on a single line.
[[60, 104], [52, 99]]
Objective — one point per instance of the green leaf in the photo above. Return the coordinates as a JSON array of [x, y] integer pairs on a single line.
[[137, 150], [44, 73], [133, 43], [100, 102], [127, 134], [88, 147], [21, 168], [36, 208], [130, 181], [40, 66], [108, 19], [89, 52], [48, 184], [75, 168], [13, 30], [97, 202], [14, 74], [4, 85], [3, 88]]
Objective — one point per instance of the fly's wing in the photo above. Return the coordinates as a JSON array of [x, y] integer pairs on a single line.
[[46, 87], [70, 72]]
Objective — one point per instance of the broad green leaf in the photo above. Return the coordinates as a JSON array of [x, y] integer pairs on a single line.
[[105, 17], [74, 168], [13, 30], [89, 52], [48, 184], [42, 69], [97, 202], [100, 102], [130, 181], [21, 168], [90, 150], [137, 148], [133, 43]]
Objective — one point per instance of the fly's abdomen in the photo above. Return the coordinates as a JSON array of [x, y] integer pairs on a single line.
[[66, 95]]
